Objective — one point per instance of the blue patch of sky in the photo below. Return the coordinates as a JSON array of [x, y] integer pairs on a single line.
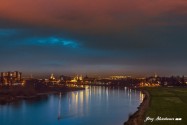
[[72, 45], [52, 41]]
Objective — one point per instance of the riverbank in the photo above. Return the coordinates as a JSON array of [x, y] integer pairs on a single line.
[[138, 117], [161, 104], [21, 93], [167, 103]]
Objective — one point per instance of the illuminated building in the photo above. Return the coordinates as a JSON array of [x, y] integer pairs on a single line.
[[147, 84], [119, 77], [53, 80], [77, 78], [74, 79], [185, 80], [88, 80], [80, 78], [11, 78]]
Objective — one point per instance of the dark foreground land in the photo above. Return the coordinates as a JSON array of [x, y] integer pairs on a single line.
[[167, 102], [161, 106]]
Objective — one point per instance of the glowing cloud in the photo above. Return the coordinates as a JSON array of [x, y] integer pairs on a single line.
[[53, 41]]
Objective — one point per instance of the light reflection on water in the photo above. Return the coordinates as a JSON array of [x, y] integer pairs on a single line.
[[141, 96], [93, 106]]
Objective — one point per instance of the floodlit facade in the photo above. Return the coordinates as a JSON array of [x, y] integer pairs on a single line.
[[11, 78]]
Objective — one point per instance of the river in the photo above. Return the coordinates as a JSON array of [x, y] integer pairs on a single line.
[[93, 106]]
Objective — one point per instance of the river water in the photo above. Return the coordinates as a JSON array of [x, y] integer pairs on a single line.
[[93, 106]]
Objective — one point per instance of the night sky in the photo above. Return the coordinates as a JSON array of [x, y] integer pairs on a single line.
[[94, 37]]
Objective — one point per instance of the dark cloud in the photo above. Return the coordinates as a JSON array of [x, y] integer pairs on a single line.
[[104, 37]]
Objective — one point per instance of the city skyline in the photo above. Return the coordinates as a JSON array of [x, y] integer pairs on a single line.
[[100, 37]]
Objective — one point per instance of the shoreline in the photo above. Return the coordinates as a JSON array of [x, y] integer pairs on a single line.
[[138, 117], [6, 99]]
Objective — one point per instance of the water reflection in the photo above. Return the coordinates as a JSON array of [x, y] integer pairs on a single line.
[[141, 96], [93, 106]]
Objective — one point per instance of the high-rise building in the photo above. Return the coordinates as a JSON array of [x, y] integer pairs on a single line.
[[9, 78]]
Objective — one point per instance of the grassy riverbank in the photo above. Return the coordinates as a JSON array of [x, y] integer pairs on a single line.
[[167, 102]]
